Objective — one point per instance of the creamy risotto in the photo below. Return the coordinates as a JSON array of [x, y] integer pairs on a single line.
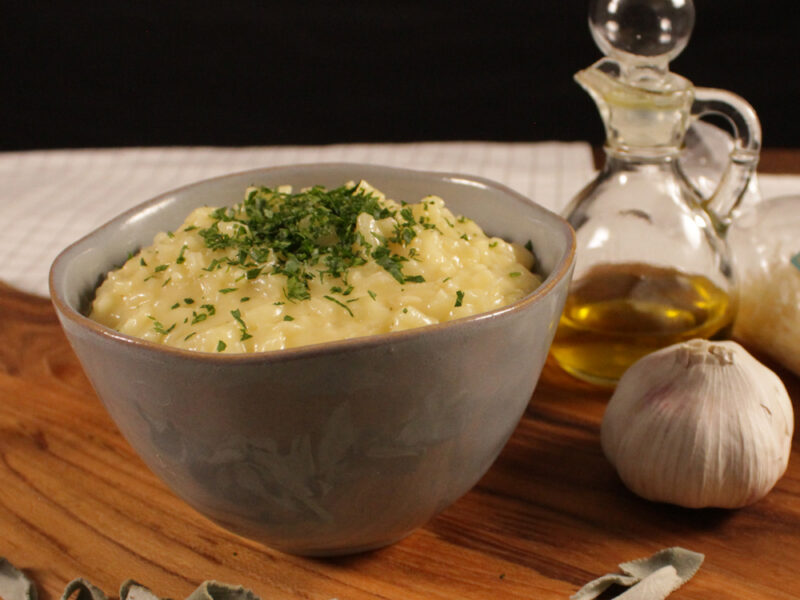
[[286, 269]]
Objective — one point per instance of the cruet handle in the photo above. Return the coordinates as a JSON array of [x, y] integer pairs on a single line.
[[744, 156]]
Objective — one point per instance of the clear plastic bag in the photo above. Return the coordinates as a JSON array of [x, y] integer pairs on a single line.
[[765, 241]]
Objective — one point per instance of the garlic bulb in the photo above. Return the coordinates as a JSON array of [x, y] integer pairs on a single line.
[[699, 424]]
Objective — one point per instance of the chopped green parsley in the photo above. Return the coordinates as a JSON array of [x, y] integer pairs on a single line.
[[335, 301], [159, 328], [180, 260], [242, 326], [306, 235]]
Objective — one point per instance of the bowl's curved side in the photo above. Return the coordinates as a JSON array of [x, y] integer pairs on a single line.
[[331, 448], [334, 452]]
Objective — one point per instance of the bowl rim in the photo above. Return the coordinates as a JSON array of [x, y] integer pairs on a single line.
[[560, 270]]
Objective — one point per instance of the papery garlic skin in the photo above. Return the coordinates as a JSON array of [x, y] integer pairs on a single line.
[[699, 424]]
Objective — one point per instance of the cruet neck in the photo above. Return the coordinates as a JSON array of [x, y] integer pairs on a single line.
[[645, 110], [617, 159]]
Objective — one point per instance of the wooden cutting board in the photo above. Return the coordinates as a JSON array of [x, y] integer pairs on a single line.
[[550, 515]]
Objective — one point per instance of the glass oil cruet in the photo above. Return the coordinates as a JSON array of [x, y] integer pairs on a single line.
[[652, 266]]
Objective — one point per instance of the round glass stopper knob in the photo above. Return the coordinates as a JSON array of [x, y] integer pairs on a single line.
[[645, 32]]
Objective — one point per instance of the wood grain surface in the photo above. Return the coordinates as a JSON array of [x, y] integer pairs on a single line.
[[550, 515]]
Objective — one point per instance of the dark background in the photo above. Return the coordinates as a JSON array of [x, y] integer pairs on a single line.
[[91, 73]]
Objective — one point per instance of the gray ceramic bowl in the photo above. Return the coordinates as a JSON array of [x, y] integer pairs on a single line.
[[337, 447]]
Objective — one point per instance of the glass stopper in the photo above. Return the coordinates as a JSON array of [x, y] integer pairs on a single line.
[[641, 32]]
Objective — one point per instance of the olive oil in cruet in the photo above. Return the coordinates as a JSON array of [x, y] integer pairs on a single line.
[[618, 313]]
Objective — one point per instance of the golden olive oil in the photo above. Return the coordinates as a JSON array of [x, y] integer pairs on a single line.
[[615, 314]]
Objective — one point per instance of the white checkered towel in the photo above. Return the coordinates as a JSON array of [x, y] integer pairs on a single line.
[[48, 199]]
